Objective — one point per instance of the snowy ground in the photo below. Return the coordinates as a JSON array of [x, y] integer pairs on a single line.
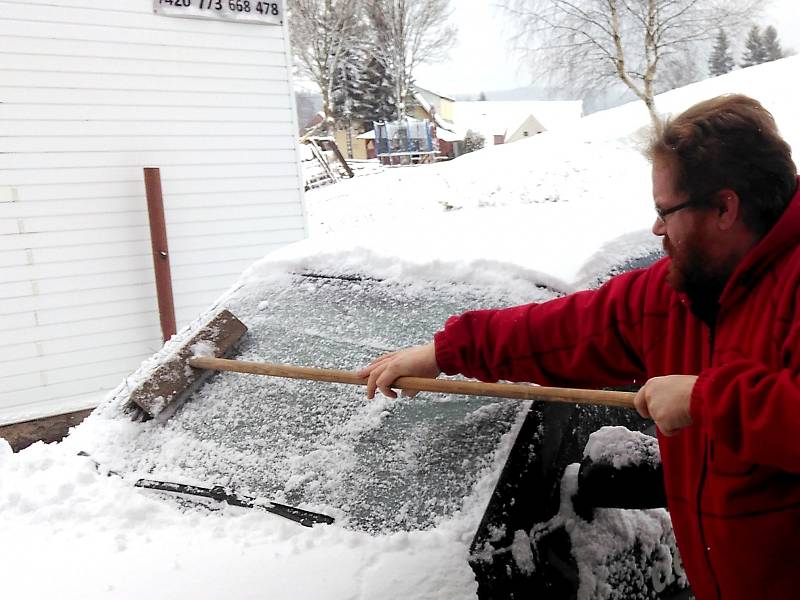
[[555, 209]]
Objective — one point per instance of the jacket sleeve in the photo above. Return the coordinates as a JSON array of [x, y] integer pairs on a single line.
[[754, 410], [587, 339]]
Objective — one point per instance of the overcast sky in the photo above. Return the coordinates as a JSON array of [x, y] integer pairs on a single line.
[[483, 61]]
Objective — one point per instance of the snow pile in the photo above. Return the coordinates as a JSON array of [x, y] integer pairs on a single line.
[[515, 204], [620, 554], [604, 548], [621, 447], [59, 513]]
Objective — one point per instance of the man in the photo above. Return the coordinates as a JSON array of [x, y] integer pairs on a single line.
[[712, 332]]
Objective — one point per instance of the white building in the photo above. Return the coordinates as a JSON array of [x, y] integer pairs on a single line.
[[506, 121], [92, 91]]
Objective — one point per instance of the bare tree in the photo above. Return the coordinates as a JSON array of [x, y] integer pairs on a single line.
[[590, 44], [323, 34], [408, 33]]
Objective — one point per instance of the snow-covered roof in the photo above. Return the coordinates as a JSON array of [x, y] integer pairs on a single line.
[[440, 122], [448, 136], [503, 117], [429, 91]]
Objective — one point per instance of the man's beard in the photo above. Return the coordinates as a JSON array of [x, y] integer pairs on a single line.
[[693, 272]]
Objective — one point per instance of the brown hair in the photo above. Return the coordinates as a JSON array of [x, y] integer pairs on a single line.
[[730, 141]]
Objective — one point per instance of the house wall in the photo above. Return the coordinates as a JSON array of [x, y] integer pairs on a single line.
[[92, 91], [441, 104], [359, 147], [528, 128], [417, 112], [446, 109]]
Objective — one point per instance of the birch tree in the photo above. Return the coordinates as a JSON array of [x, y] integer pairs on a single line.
[[591, 44], [406, 34], [324, 34]]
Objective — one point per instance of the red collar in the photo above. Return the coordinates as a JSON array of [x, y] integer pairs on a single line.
[[779, 240]]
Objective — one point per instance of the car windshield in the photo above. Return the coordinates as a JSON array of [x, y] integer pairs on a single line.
[[383, 465]]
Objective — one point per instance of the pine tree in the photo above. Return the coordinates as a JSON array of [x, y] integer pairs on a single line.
[[482, 97], [721, 61], [772, 46], [365, 90], [378, 92], [755, 53], [346, 97], [473, 140]]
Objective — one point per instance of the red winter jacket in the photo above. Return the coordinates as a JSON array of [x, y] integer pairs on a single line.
[[733, 476]]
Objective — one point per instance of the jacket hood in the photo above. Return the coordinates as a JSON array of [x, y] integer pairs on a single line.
[[781, 239]]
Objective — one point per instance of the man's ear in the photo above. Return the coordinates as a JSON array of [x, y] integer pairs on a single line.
[[728, 207]]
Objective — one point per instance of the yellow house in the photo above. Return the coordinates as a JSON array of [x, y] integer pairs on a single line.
[[351, 145]]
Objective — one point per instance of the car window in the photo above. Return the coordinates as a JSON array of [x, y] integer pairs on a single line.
[[383, 465]]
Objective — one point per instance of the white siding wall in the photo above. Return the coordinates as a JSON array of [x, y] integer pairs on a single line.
[[92, 91]]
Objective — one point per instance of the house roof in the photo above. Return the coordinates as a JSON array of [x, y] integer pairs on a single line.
[[448, 136], [504, 117], [427, 91]]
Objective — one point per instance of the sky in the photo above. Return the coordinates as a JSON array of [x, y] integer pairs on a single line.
[[482, 59]]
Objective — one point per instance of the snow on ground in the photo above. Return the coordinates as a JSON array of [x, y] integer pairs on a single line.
[[542, 207], [69, 532], [546, 204]]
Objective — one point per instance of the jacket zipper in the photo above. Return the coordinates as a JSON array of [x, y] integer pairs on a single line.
[[703, 472]]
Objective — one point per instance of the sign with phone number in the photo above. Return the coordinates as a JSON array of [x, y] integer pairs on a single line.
[[249, 11]]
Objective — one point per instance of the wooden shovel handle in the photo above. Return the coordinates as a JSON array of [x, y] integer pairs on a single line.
[[424, 384]]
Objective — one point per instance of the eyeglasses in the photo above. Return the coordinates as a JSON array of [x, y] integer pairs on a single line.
[[663, 212]]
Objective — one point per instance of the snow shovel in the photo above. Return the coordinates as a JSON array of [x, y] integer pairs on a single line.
[[174, 380]]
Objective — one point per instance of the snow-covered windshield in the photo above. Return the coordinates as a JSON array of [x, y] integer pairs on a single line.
[[377, 466]]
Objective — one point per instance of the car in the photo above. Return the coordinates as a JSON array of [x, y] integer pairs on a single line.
[[393, 466]]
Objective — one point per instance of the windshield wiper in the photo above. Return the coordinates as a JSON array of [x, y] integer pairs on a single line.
[[220, 494], [306, 518]]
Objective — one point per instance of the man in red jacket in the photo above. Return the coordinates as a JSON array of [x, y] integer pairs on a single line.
[[711, 333]]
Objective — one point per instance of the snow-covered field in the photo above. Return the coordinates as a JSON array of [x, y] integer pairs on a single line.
[[554, 209]]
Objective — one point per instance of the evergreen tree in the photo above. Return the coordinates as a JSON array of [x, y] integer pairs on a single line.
[[755, 52], [365, 90], [347, 97], [772, 46], [482, 97], [378, 92], [721, 61], [473, 140]]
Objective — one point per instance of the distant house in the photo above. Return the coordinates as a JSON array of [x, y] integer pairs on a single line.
[[503, 122], [432, 106], [500, 122], [439, 110]]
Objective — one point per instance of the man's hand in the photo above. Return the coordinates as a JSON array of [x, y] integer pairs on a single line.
[[418, 361], [666, 400]]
